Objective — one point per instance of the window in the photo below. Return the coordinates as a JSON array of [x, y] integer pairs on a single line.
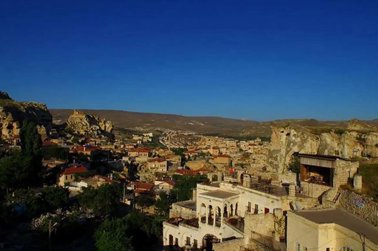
[[298, 247], [195, 243], [256, 209]]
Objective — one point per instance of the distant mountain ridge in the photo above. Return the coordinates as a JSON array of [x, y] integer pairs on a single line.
[[204, 125]]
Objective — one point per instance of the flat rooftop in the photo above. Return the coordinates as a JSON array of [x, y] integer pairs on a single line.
[[320, 156], [341, 218], [220, 194], [187, 204]]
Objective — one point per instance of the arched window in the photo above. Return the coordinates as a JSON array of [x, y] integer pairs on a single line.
[[346, 249]]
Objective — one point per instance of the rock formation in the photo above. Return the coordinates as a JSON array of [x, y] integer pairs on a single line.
[[285, 141], [12, 115], [89, 125], [356, 141]]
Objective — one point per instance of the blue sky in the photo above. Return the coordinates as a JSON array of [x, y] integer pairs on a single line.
[[250, 59]]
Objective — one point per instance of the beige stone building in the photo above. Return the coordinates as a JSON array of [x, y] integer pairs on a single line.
[[329, 230], [319, 173], [157, 165], [140, 154], [221, 161], [69, 174], [218, 211]]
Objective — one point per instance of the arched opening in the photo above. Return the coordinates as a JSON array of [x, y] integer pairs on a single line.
[[225, 212], [218, 217], [214, 177], [236, 209], [170, 240], [231, 210], [210, 219], [203, 213], [207, 242]]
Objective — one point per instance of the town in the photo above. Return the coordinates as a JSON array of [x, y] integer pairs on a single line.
[[84, 184]]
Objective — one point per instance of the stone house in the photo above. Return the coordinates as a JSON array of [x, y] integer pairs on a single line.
[[221, 161], [69, 174], [157, 165], [329, 230], [140, 154], [319, 173]]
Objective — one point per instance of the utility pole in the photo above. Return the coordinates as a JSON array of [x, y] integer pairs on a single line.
[[50, 230]]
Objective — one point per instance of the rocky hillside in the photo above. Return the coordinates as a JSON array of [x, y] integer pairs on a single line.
[[84, 124], [13, 113], [204, 125], [357, 140]]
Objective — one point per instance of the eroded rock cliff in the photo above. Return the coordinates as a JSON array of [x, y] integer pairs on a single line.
[[89, 125], [356, 141], [13, 113]]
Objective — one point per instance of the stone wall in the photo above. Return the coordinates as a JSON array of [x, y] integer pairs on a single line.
[[313, 190], [362, 206], [228, 245], [179, 211]]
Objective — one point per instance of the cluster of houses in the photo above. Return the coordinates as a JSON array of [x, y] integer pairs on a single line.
[[242, 208]]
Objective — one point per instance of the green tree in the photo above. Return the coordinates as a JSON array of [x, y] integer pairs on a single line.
[[104, 200], [20, 170], [145, 230], [36, 201], [55, 152], [55, 197], [179, 151], [294, 164], [30, 139], [23, 169], [112, 235], [144, 200], [184, 185], [132, 171], [163, 204]]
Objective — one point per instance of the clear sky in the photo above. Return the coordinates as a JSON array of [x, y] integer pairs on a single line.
[[250, 59]]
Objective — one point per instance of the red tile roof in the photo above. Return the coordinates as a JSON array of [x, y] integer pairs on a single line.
[[85, 148], [75, 170], [192, 172], [140, 150], [170, 182], [142, 186], [48, 143], [187, 172], [157, 160]]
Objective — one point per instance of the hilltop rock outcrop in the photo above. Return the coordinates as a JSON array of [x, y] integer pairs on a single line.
[[89, 125], [12, 115], [354, 142], [285, 141]]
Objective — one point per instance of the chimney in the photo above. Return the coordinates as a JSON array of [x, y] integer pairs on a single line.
[[357, 182], [292, 190], [194, 194], [247, 180]]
